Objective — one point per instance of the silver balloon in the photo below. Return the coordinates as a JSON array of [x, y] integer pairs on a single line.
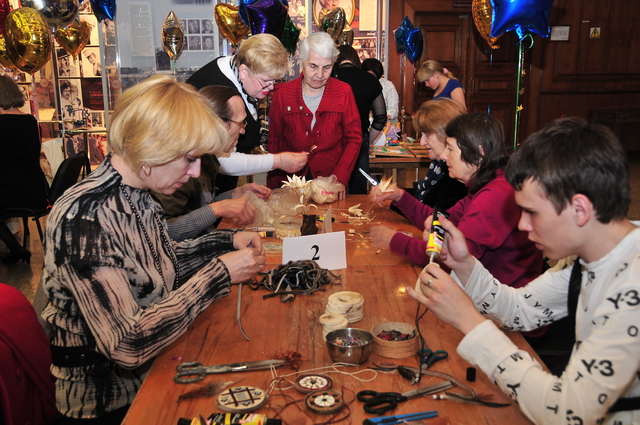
[[57, 14]]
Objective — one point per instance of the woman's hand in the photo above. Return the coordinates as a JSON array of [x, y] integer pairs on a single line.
[[381, 236], [248, 240], [378, 197], [262, 192], [291, 162], [243, 264], [448, 301]]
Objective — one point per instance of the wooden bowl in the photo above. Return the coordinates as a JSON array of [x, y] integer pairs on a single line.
[[395, 349]]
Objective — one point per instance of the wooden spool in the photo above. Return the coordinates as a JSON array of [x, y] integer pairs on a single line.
[[241, 399]]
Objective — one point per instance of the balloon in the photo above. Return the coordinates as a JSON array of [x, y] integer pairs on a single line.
[[332, 22], [172, 36], [290, 36], [4, 59], [5, 8], [525, 16], [74, 38], [347, 36], [266, 17], [104, 9], [27, 39], [56, 13], [483, 16], [408, 40], [230, 24]]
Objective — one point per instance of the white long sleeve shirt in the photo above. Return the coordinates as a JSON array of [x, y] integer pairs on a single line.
[[605, 360], [242, 164]]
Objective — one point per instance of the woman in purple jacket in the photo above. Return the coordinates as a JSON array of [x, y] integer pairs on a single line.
[[488, 216]]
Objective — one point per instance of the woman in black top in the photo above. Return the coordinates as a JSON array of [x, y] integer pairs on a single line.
[[368, 93], [22, 181]]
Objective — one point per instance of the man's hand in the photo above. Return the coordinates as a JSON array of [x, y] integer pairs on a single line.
[[239, 209], [455, 252], [243, 264], [442, 295], [381, 236], [262, 192], [291, 162]]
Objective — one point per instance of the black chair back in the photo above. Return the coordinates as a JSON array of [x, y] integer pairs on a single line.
[[67, 175]]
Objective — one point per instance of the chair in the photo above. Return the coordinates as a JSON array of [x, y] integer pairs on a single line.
[[66, 176]]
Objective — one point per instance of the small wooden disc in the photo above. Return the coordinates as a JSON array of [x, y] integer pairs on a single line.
[[324, 402], [309, 383], [241, 399]]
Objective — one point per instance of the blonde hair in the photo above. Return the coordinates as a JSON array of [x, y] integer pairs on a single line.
[[429, 68], [434, 115], [160, 120], [263, 54]]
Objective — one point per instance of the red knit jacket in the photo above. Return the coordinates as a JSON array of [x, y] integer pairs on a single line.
[[336, 133]]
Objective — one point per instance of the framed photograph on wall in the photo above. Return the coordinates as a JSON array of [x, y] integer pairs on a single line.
[[67, 67], [91, 66], [94, 38]]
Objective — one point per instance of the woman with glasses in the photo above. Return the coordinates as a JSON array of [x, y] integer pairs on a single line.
[[253, 71], [197, 206]]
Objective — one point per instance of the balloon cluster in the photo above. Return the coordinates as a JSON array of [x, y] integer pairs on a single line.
[[526, 17], [408, 40], [257, 17], [25, 33], [334, 23]]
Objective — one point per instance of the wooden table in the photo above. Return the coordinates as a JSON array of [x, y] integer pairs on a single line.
[[397, 164], [274, 327]]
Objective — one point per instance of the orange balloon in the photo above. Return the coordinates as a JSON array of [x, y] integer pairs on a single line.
[[483, 18], [230, 23], [74, 38], [27, 39], [4, 59]]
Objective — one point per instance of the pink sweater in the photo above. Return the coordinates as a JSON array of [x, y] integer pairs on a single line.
[[489, 221]]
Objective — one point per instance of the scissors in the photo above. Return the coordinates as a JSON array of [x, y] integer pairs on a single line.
[[378, 403], [191, 372], [429, 357]]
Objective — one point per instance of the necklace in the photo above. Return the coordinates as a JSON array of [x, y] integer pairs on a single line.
[[163, 237]]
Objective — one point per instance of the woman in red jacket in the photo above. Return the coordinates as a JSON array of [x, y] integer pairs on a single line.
[[488, 216], [316, 109]]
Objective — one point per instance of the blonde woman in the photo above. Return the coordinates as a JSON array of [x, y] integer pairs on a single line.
[[442, 81], [119, 289]]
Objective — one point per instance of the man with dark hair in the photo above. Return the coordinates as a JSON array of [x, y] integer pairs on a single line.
[[572, 184]]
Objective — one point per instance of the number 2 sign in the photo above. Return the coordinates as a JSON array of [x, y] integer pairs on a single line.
[[326, 249]]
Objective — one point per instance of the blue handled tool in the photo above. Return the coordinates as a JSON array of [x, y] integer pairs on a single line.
[[400, 419]]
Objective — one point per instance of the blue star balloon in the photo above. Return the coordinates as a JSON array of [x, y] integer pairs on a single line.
[[408, 40], [104, 9], [524, 16], [265, 16]]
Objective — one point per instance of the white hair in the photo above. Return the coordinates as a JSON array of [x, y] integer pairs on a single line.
[[321, 43]]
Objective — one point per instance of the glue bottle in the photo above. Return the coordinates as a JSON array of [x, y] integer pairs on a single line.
[[436, 236], [232, 419]]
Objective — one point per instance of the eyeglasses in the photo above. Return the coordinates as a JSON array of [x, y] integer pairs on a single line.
[[265, 84], [241, 124]]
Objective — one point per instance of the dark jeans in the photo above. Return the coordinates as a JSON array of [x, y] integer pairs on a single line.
[[357, 182]]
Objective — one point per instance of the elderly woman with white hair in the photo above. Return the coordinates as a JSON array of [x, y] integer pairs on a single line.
[[316, 110], [119, 290]]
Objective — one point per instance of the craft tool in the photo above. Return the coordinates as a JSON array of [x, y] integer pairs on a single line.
[[378, 403], [436, 236], [190, 372], [400, 419], [373, 181]]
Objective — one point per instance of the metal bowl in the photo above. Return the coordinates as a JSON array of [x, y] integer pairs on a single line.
[[354, 354]]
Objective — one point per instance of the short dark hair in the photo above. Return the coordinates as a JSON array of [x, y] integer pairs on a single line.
[[218, 97], [475, 131], [347, 53], [373, 65], [569, 157], [10, 94]]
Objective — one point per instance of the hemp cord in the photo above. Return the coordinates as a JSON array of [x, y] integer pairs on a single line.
[[276, 379]]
